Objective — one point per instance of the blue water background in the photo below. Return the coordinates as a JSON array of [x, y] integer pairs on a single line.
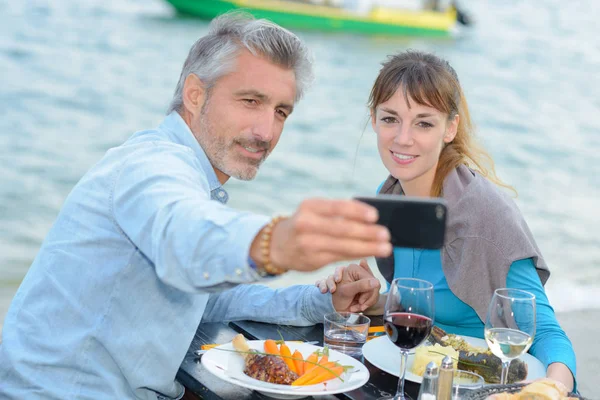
[[77, 78]]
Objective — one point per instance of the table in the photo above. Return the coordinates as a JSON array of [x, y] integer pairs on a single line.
[[206, 386]]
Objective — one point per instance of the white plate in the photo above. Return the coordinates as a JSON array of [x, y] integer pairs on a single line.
[[229, 366], [383, 354]]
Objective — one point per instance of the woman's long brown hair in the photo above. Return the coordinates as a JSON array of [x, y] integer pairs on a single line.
[[430, 81]]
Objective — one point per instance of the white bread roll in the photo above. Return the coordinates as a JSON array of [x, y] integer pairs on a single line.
[[539, 391], [562, 389]]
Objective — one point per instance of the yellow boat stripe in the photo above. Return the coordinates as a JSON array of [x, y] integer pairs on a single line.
[[421, 19]]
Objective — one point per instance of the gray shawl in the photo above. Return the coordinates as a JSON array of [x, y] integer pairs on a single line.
[[485, 234]]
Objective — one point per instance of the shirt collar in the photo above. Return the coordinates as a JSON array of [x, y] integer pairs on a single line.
[[180, 133]]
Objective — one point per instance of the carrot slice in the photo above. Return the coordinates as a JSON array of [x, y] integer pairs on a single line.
[[271, 347], [313, 373], [287, 357], [310, 362], [324, 355], [322, 361], [325, 375], [312, 358], [298, 362]]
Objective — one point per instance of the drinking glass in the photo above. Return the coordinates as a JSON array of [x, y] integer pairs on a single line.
[[464, 382], [346, 332], [408, 319], [510, 325]]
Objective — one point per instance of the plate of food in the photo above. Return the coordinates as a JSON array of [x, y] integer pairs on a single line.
[[470, 354], [291, 375]]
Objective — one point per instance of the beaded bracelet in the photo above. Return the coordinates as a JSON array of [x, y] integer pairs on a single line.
[[265, 247]]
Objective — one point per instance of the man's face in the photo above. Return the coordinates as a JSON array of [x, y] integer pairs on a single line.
[[242, 116]]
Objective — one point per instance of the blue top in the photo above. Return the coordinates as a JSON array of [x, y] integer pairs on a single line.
[[131, 266], [550, 343]]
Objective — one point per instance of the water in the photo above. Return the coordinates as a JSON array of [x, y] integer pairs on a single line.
[[80, 77], [346, 341], [464, 382]]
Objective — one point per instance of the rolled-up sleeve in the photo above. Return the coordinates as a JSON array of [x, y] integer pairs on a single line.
[[161, 202], [299, 305]]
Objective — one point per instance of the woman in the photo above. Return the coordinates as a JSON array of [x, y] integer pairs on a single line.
[[426, 142]]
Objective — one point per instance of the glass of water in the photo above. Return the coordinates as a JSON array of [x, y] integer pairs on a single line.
[[346, 332], [464, 382]]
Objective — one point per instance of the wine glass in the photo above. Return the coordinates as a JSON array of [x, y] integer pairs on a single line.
[[510, 325], [408, 319]]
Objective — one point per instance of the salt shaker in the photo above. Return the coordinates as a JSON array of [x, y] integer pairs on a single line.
[[445, 379], [428, 389]]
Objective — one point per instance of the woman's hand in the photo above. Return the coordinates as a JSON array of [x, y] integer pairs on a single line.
[[329, 284], [356, 290], [369, 302]]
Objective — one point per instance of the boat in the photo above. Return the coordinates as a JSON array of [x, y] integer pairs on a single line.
[[331, 16]]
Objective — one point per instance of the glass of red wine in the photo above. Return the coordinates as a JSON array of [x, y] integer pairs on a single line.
[[408, 318]]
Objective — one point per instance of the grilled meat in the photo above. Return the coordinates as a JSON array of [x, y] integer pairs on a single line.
[[262, 367], [484, 363]]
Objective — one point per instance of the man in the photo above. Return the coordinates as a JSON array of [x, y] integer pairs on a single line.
[[144, 247]]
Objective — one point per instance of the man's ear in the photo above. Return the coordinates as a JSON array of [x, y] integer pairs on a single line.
[[193, 94], [452, 129]]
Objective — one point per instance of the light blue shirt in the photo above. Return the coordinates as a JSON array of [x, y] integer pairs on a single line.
[[140, 253]]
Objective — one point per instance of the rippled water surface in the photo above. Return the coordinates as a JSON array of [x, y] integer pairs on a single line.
[[79, 77]]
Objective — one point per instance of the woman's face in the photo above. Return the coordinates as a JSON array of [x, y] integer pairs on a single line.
[[410, 140]]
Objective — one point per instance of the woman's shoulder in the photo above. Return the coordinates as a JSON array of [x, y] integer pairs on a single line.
[[486, 194], [483, 211]]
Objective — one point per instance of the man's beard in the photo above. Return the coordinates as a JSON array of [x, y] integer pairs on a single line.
[[224, 156]]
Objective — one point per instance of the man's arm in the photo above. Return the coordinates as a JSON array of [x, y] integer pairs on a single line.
[[162, 204], [300, 305]]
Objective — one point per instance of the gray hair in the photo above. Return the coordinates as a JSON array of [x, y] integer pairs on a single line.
[[214, 55]]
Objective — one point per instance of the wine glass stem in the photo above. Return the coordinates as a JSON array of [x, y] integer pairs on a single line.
[[400, 390], [504, 377]]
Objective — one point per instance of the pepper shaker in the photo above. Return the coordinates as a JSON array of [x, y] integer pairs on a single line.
[[428, 389], [445, 379]]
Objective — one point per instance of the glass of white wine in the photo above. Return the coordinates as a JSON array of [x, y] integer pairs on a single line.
[[510, 325]]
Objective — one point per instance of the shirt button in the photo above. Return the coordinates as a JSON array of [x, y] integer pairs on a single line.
[[221, 193], [206, 275], [238, 272]]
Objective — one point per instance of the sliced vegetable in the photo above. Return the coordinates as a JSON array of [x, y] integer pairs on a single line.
[[298, 362], [313, 373], [311, 361], [271, 347], [327, 374], [287, 357], [324, 360]]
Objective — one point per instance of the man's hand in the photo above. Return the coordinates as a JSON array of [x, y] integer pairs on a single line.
[[324, 231], [357, 289]]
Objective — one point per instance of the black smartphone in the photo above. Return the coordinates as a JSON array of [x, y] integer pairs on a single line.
[[412, 221]]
